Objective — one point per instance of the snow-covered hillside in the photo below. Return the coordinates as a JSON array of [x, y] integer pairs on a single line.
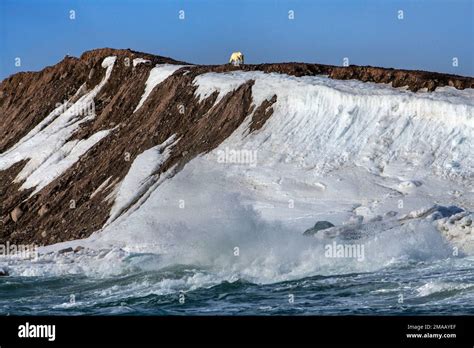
[[343, 151], [157, 154]]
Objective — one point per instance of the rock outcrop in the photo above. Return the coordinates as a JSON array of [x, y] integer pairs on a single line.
[[318, 226]]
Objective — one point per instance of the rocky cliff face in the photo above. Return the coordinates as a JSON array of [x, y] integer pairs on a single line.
[[70, 133]]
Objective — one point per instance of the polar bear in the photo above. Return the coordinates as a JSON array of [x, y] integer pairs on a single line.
[[236, 58]]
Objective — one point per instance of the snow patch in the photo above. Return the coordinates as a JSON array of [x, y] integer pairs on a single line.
[[137, 61], [101, 187], [60, 161], [109, 62], [225, 83], [157, 75], [46, 145], [140, 176]]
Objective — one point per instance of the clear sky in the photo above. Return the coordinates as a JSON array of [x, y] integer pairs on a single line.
[[368, 32]]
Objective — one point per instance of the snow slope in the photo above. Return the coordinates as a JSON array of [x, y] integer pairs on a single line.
[[343, 151], [323, 123], [46, 146], [157, 75], [140, 177]]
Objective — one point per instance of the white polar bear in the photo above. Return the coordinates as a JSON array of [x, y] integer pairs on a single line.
[[236, 58]]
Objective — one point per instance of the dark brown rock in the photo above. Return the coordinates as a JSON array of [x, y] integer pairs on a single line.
[[16, 214], [66, 250], [78, 249], [43, 210]]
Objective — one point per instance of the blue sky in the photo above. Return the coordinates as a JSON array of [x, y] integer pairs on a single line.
[[368, 32]]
